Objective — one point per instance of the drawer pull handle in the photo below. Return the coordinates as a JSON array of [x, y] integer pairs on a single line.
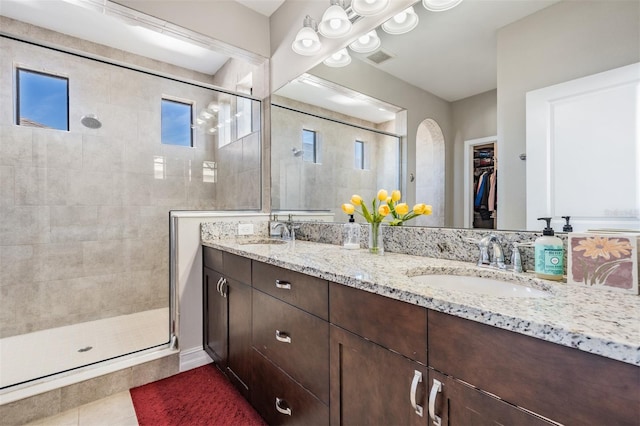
[[219, 284], [417, 378], [281, 336], [437, 387], [285, 285], [286, 411]]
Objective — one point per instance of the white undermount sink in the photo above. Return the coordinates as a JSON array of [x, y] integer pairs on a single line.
[[478, 285]]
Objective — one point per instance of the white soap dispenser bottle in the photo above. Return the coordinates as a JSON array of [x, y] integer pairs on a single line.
[[549, 254], [351, 234]]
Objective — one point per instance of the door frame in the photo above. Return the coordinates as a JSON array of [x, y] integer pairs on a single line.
[[468, 174]]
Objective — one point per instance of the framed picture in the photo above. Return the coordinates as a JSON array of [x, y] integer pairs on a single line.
[[607, 260]]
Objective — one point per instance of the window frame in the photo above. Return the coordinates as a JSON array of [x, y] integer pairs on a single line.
[[314, 160], [18, 97], [361, 145], [192, 108]]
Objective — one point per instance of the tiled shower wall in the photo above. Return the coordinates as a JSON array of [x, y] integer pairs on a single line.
[[302, 185], [85, 214]]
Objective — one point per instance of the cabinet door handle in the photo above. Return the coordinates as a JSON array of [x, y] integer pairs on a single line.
[[417, 378], [222, 291], [437, 387], [281, 336], [285, 285], [219, 284], [286, 411]]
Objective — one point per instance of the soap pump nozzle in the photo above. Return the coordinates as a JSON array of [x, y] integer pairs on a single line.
[[548, 230], [351, 219], [567, 227]]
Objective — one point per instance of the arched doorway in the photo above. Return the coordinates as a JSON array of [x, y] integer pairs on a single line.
[[430, 172]]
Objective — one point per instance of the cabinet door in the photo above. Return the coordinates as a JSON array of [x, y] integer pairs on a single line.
[[458, 404], [370, 385], [239, 363], [215, 318]]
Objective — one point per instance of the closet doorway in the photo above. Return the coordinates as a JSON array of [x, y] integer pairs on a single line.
[[480, 176]]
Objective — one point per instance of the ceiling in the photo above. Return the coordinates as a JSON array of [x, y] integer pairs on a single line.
[[451, 54]]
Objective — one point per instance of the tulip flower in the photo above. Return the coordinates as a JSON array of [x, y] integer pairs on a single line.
[[384, 210], [419, 208], [382, 195], [396, 195], [356, 200], [348, 208], [402, 209]]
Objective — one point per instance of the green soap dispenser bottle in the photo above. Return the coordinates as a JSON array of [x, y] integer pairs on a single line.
[[549, 254]]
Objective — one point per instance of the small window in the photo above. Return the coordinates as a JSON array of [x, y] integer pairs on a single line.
[[42, 100], [309, 145], [243, 117], [177, 122], [359, 155]]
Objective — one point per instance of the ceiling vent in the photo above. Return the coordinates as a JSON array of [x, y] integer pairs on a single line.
[[379, 56]]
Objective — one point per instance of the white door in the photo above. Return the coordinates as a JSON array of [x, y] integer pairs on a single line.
[[582, 151]]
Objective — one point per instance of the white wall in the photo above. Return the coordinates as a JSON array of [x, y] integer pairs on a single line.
[[568, 40]]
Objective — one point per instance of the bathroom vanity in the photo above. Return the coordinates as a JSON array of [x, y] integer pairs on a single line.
[[334, 336]]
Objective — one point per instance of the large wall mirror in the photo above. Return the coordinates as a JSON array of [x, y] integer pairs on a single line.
[[463, 75]]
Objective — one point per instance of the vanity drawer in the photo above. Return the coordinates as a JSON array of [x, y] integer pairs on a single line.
[[294, 340], [307, 293], [396, 325], [237, 267], [212, 258], [272, 386]]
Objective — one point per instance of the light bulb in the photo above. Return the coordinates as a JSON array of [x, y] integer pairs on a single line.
[[364, 39], [370, 1], [307, 43], [400, 17], [334, 23], [337, 56]]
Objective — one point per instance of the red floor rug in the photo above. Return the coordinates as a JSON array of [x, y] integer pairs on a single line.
[[202, 396]]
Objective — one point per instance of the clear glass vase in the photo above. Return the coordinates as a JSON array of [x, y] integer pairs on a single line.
[[376, 238]]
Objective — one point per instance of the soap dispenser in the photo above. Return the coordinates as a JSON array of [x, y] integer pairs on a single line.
[[351, 234], [567, 226], [549, 254]]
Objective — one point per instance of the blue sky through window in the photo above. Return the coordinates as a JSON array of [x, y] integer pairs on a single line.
[[176, 123], [43, 100]]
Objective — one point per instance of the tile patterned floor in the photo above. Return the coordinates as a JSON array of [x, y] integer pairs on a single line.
[[116, 410]]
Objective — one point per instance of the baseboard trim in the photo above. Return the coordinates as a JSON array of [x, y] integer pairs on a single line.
[[193, 358]]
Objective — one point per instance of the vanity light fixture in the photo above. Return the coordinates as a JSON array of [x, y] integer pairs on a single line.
[[335, 23], [339, 59], [307, 42], [369, 7], [440, 5], [366, 43], [402, 22]]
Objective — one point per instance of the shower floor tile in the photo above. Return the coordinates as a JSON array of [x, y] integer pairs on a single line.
[[42, 353]]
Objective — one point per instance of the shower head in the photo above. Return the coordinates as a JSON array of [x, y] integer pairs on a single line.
[[297, 152], [91, 121]]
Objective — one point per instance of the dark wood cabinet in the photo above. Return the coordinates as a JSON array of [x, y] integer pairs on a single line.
[[371, 385], [313, 352], [227, 315], [559, 383]]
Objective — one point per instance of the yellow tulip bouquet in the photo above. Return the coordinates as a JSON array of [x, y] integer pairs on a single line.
[[382, 206]]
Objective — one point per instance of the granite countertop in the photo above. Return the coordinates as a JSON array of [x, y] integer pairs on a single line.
[[602, 322]]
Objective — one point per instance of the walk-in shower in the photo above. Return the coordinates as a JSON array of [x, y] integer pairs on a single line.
[[85, 241]]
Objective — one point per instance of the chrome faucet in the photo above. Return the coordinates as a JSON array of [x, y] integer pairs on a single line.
[[495, 258], [285, 230]]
